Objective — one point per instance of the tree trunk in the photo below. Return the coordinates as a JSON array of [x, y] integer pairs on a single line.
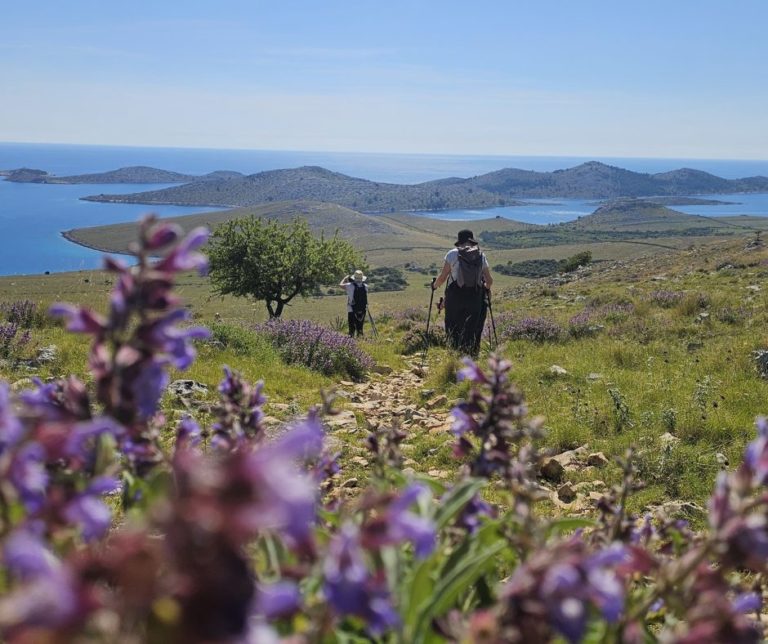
[[275, 309]]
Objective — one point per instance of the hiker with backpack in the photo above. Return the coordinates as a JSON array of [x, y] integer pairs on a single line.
[[469, 277], [357, 301]]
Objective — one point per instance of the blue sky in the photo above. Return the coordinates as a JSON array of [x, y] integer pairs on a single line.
[[682, 78]]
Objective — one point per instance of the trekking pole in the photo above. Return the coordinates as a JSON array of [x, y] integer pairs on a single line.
[[429, 315], [493, 322], [373, 324]]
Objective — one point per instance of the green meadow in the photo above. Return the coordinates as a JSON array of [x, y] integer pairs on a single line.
[[660, 357]]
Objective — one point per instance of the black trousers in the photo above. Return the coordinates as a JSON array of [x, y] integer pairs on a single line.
[[465, 311], [355, 321]]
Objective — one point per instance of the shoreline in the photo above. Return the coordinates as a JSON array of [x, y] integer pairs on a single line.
[[69, 236]]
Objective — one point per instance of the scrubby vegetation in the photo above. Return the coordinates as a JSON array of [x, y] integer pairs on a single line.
[[386, 279], [544, 267]]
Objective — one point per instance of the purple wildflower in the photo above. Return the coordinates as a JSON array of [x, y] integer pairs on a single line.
[[534, 329], [79, 319], [316, 347], [46, 596], [182, 257], [89, 512], [25, 554], [351, 589], [11, 428], [471, 516], [278, 600], [148, 387], [396, 524], [188, 433], [29, 476]]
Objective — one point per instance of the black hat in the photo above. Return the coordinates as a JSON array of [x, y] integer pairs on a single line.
[[465, 237]]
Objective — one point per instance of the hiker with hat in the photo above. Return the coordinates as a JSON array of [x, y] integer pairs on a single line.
[[357, 301], [469, 277]]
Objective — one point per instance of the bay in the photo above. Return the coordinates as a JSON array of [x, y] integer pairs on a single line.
[[558, 211]]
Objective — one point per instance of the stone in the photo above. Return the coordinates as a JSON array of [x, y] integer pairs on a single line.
[[46, 355], [570, 458], [187, 388], [352, 482], [668, 441], [594, 377], [382, 369], [359, 460], [557, 370], [343, 418], [597, 459], [437, 401], [438, 474], [346, 383], [22, 384], [566, 493], [552, 469]]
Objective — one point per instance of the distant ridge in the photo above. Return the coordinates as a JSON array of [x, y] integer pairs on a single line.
[[132, 174], [594, 180], [316, 183], [506, 187]]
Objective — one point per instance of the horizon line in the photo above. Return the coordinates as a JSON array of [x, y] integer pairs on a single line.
[[379, 153]]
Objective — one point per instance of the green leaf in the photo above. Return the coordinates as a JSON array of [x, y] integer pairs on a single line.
[[568, 524], [452, 584], [455, 500], [417, 590]]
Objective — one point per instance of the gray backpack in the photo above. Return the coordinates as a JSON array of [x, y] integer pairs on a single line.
[[470, 267]]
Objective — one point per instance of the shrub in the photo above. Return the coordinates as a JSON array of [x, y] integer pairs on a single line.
[[732, 314], [692, 303], [665, 299], [316, 347], [12, 340], [235, 337], [386, 279], [534, 329], [415, 339], [24, 313], [583, 325], [575, 261]]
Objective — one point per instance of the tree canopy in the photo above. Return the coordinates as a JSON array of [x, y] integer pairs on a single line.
[[274, 262]]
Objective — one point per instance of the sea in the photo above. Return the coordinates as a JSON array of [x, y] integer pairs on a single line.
[[33, 216]]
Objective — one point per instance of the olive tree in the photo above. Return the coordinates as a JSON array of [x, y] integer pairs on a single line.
[[274, 262]]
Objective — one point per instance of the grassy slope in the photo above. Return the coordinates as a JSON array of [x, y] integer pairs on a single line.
[[673, 369]]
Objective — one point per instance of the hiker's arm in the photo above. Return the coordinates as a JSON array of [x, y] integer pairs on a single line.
[[443, 276], [344, 281], [487, 277]]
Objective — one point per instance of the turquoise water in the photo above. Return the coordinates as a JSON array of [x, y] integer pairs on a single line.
[[32, 216]]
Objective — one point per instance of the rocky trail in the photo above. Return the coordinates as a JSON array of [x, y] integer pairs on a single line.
[[571, 479], [386, 399]]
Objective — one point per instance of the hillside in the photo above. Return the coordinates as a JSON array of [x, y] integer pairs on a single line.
[[132, 174], [312, 182], [633, 220], [595, 180], [591, 180]]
